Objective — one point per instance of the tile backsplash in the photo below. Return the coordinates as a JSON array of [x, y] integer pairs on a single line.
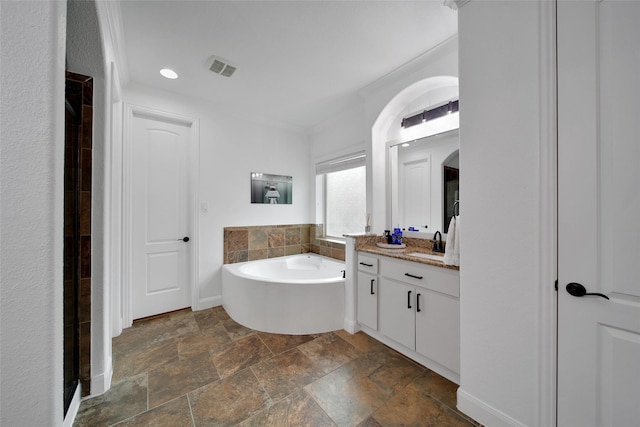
[[270, 241]]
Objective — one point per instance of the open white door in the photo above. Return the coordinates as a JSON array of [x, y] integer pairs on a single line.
[[160, 217], [599, 213]]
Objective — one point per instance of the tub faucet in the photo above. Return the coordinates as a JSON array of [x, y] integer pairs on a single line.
[[437, 242]]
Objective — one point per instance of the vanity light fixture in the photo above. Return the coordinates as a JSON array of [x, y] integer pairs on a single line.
[[434, 113], [169, 73]]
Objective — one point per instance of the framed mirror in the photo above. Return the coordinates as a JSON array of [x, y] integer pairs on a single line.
[[424, 182]]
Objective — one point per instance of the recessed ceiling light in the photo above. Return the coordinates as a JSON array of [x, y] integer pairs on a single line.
[[406, 144], [169, 73]]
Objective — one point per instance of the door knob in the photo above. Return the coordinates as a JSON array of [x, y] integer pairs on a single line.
[[184, 239], [577, 290]]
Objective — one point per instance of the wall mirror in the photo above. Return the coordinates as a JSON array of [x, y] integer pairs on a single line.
[[424, 176]]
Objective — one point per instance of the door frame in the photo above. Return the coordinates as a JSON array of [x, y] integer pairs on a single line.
[[548, 216], [193, 174]]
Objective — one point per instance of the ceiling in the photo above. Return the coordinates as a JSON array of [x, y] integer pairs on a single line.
[[299, 62]]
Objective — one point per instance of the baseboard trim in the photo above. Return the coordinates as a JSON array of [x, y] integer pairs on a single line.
[[73, 407], [484, 414], [205, 303], [100, 384], [351, 326], [425, 361]]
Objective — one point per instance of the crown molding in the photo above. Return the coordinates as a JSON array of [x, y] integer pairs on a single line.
[[416, 64], [455, 4]]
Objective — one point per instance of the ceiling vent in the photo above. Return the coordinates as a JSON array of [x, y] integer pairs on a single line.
[[222, 67]]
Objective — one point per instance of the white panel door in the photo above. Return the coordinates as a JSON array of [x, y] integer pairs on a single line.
[[161, 280], [415, 178], [599, 213]]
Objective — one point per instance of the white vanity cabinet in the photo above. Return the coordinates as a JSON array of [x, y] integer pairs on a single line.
[[418, 310], [438, 328], [367, 291], [397, 314]]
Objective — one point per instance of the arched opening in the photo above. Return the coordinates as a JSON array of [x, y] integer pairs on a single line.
[[386, 132]]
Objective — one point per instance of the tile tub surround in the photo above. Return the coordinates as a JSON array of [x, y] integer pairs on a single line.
[[201, 369], [269, 241], [327, 247]]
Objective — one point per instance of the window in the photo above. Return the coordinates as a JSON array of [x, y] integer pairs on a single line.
[[341, 195]]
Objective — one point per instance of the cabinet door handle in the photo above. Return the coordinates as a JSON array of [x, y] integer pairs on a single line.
[[366, 265], [411, 275], [372, 280], [418, 303], [409, 300]]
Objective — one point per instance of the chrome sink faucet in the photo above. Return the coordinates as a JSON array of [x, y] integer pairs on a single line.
[[437, 242]]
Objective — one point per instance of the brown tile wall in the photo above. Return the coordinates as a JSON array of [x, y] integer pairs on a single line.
[[264, 241], [269, 241], [79, 154], [326, 247]]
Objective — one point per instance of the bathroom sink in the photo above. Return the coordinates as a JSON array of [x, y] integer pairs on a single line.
[[427, 256]]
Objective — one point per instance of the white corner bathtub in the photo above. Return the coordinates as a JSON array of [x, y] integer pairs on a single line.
[[296, 294]]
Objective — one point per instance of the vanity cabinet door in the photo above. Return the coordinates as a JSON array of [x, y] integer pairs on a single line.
[[397, 311], [368, 300], [438, 328]]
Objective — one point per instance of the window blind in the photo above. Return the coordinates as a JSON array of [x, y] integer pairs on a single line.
[[343, 163]]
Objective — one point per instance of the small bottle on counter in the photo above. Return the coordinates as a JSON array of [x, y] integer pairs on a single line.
[[397, 236]]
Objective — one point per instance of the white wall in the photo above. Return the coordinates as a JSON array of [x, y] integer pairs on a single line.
[[115, 73], [85, 56], [506, 274], [32, 135], [372, 121], [231, 147]]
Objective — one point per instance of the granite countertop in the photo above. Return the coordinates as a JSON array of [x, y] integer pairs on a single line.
[[368, 244]]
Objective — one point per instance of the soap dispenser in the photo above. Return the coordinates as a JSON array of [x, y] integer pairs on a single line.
[[397, 236], [388, 237]]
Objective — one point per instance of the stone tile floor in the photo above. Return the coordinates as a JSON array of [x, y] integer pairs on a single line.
[[204, 369]]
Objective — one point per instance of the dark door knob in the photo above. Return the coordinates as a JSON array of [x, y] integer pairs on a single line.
[[184, 239], [577, 290]]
